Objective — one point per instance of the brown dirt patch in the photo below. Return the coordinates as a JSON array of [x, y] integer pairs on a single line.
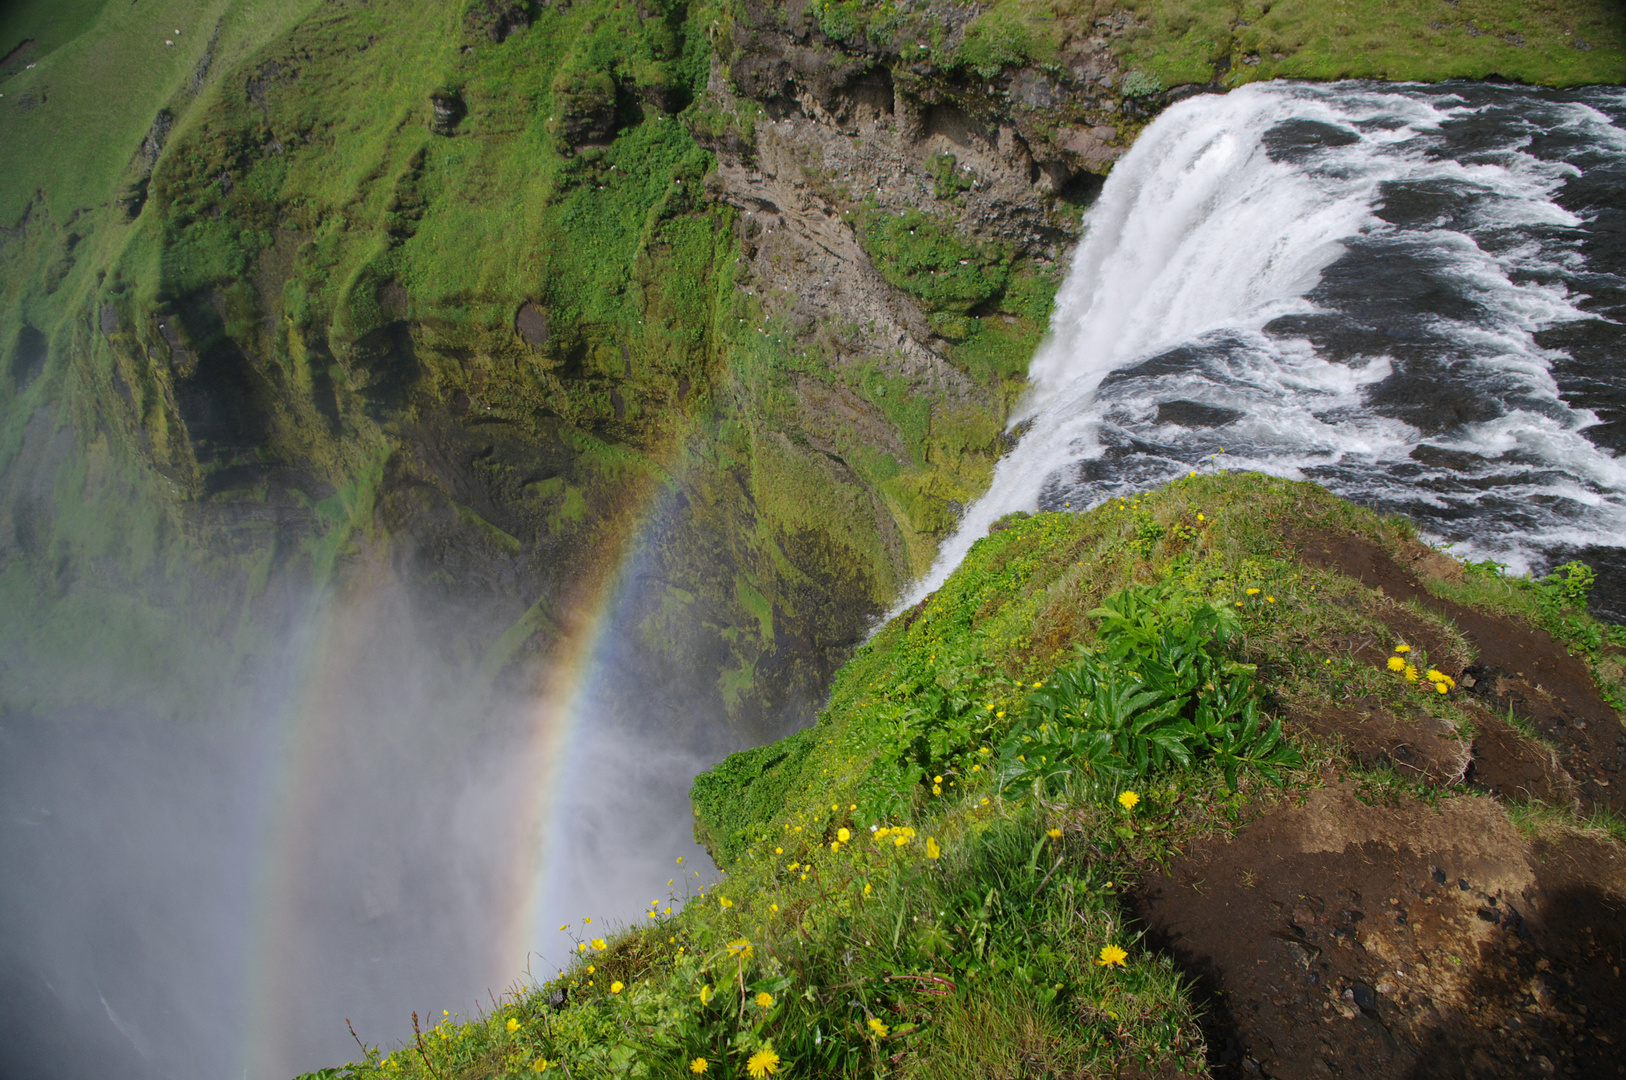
[[1511, 766], [1518, 666], [1338, 938], [1421, 748]]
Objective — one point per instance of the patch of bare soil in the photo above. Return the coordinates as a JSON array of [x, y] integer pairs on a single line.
[[1341, 938], [1519, 667], [1509, 765], [1421, 748]]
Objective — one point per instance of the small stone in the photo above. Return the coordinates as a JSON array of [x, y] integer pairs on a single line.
[[1363, 995]]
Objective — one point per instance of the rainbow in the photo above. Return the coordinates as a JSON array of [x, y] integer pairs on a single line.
[[528, 813]]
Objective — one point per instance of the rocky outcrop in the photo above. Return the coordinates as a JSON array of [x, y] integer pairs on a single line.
[[446, 111], [495, 20], [814, 136]]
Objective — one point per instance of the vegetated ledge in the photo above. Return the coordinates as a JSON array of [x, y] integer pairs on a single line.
[[1384, 837]]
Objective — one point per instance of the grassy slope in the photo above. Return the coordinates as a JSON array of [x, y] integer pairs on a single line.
[[105, 72], [1175, 42], [1551, 42], [969, 931]]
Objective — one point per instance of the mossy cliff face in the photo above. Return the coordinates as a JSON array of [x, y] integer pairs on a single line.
[[507, 298]]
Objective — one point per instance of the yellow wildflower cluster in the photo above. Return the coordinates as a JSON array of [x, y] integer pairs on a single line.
[[1442, 682], [899, 836]]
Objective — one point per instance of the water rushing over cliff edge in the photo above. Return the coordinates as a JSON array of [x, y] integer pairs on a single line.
[[1408, 294]]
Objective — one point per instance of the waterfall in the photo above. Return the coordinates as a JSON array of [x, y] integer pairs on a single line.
[[1409, 294]]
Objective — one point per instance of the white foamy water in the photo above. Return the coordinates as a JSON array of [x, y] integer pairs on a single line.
[[1343, 283]]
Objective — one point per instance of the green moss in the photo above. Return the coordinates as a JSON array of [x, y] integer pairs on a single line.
[[926, 258]]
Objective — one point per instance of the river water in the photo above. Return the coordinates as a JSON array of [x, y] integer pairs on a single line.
[[1413, 295]]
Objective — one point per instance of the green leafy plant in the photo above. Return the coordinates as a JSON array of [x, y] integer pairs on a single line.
[[1155, 696]]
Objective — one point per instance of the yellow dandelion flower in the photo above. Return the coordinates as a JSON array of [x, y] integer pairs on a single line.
[[1000, 714], [1402, 648], [1201, 518], [1253, 592], [599, 944], [1434, 675], [762, 1063], [764, 1000], [723, 901], [1411, 673], [984, 751], [1270, 599], [778, 851], [589, 918], [541, 1065], [843, 835], [705, 994], [1112, 955], [1128, 800], [932, 850], [581, 946], [1054, 834], [616, 987], [866, 888], [1396, 664], [513, 1025], [740, 947], [1442, 688], [879, 1028], [773, 907], [680, 860], [591, 968], [937, 789], [699, 1065]]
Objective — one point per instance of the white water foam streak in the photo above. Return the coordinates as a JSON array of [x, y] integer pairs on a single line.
[[1202, 237]]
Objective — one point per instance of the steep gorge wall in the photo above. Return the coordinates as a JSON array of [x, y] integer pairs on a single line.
[[517, 301], [498, 325]]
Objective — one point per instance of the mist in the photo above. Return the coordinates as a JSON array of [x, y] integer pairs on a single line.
[[362, 828]]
